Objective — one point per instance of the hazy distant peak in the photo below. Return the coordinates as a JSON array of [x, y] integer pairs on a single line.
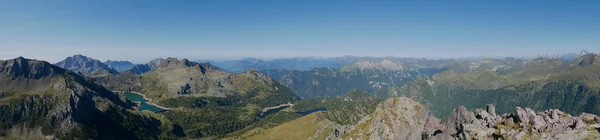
[[584, 52], [384, 64]]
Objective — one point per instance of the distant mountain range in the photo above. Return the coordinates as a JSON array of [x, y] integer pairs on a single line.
[[309, 63], [366, 75], [299, 63], [561, 56]]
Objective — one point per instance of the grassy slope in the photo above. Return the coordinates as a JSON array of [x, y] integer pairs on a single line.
[[301, 128]]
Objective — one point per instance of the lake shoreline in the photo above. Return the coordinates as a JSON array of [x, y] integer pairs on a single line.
[[149, 102]]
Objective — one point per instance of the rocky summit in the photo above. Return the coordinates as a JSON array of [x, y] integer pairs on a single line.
[[86, 65]]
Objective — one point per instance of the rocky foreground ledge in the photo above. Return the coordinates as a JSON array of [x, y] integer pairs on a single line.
[[523, 124], [403, 118]]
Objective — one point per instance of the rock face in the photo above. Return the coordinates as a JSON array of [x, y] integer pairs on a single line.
[[154, 63], [40, 100], [402, 118], [86, 65]]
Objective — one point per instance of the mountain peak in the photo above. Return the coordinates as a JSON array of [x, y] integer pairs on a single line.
[[27, 68], [155, 62], [174, 62], [85, 65], [80, 56], [585, 60], [584, 52]]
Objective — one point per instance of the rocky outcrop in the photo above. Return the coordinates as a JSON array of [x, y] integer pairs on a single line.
[[523, 124]]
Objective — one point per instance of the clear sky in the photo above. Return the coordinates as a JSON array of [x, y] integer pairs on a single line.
[[231, 29]]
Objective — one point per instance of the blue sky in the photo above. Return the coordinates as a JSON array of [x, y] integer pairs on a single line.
[[231, 29]]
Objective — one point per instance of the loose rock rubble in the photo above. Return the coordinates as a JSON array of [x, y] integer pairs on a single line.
[[524, 123]]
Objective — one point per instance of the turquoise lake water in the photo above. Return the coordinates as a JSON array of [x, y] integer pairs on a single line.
[[143, 102]]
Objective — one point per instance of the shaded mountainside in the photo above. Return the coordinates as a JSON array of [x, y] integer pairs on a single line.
[[331, 82], [40, 100], [403, 118], [86, 65], [119, 65]]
